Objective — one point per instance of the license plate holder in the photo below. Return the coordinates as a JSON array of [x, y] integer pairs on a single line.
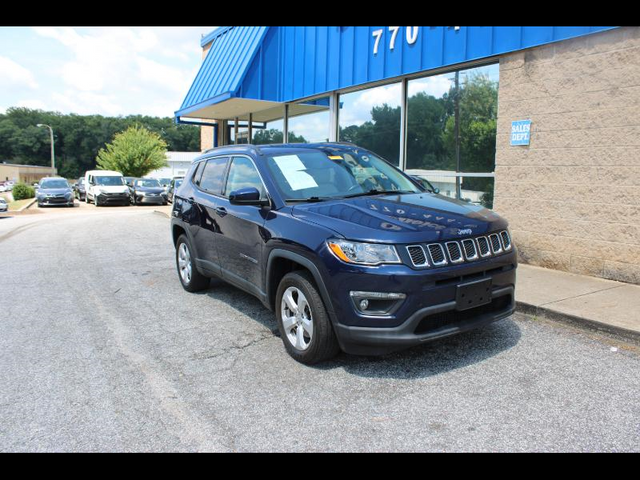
[[473, 294]]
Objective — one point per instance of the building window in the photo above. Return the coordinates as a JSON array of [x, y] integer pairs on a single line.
[[309, 121], [371, 119], [451, 128], [268, 133]]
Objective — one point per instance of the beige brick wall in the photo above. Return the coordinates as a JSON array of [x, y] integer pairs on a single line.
[[572, 196]]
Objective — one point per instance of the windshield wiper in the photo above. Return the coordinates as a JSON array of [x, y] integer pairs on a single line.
[[308, 199], [377, 192]]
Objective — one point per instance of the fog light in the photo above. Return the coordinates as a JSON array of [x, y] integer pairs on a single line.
[[377, 303]]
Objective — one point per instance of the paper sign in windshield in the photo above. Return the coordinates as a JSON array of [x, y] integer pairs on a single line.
[[293, 170]]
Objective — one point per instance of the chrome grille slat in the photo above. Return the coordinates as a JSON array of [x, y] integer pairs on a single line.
[[483, 247], [506, 240], [436, 252], [417, 255], [469, 248], [496, 245], [454, 251]]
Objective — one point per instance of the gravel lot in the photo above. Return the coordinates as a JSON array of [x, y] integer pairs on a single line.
[[102, 350]]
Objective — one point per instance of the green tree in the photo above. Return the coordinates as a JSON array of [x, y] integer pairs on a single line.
[[134, 152]]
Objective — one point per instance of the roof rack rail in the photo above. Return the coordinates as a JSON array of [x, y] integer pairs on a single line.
[[243, 145]]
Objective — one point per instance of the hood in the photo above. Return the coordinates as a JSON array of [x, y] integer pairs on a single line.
[[54, 191], [112, 188], [404, 218]]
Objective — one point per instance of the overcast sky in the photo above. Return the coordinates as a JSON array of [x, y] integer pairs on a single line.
[[103, 70]]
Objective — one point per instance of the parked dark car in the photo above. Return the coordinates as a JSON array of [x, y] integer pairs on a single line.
[[147, 190], [350, 253], [54, 191], [79, 190], [173, 186]]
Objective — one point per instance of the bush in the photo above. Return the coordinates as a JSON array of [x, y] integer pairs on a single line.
[[22, 191]]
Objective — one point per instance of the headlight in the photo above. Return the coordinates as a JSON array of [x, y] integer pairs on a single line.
[[363, 253]]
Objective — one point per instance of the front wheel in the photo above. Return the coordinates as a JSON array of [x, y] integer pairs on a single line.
[[303, 321]]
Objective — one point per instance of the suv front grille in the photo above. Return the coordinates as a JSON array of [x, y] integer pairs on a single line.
[[454, 252]]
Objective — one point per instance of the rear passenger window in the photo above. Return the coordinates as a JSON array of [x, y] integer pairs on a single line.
[[198, 173], [213, 175]]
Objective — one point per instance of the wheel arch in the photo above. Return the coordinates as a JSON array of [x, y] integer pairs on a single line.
[[280, 263]]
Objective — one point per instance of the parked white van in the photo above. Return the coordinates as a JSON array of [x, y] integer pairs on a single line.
[[105, 187]]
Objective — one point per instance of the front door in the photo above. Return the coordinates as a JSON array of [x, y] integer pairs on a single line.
[[241, 235]]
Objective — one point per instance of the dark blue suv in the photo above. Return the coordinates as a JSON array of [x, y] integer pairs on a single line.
[[350, 252]]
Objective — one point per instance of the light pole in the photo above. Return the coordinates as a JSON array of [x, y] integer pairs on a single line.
[[53, 155]]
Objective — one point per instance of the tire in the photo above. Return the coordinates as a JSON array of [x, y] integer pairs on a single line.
[[305, 327], [190, 278]]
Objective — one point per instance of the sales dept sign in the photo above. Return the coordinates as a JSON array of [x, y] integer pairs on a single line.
[[520, 132]]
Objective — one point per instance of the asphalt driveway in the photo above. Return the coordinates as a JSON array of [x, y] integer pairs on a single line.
[[102, 350]]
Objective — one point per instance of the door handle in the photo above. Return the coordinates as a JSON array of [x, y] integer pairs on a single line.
[[221, 211]]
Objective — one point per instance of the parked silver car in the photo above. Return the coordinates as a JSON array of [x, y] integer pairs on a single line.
[[3, 205]]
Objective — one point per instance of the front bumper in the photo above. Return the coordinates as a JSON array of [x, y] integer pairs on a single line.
[[55, 201], [428, 323], [430, 309], [113, 198], [156, 200]]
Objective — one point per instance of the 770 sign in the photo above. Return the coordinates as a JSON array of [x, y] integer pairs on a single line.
[[411, 35]]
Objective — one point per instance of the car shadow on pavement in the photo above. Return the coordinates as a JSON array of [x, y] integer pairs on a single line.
[[432, 358]]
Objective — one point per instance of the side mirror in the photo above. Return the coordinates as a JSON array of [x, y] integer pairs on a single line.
[[247, 196], [436, 190]]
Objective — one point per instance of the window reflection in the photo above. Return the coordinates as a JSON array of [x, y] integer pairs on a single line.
[[371, 119], [309, 121]]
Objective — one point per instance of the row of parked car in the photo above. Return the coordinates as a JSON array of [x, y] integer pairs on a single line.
[[103, 187], [6, 186]]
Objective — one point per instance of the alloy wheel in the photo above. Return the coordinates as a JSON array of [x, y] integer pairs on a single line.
[[297, 318]]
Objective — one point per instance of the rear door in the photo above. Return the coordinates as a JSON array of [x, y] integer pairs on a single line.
[[241, 233], [206, 198]]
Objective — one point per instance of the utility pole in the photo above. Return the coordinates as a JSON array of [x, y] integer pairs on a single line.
[[53, 155]]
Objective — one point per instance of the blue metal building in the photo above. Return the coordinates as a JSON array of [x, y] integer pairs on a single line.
[[250, 74]]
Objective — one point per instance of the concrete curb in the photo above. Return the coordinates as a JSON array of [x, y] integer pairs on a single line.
[[24, 207], [574, 320], [164, 214]]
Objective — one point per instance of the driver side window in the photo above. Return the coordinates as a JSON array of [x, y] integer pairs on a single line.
[[243, 174]]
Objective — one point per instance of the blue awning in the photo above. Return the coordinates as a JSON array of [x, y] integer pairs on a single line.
[[222, 72]]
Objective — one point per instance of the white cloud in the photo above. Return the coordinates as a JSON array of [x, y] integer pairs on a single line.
[[32, 103], [15, 76], [436, 86], [122, 71]]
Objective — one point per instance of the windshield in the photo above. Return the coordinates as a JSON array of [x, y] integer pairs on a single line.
[[165, 181], [108, 181], [177, 183], [147, 183], [61, 183], [319, 175]]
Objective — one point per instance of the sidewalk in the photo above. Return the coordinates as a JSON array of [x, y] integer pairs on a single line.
[[606, 305]]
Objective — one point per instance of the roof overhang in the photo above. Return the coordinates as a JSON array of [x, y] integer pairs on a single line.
[[227, 107]]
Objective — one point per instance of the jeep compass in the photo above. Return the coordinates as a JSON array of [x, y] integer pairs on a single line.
[[351, 253]]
